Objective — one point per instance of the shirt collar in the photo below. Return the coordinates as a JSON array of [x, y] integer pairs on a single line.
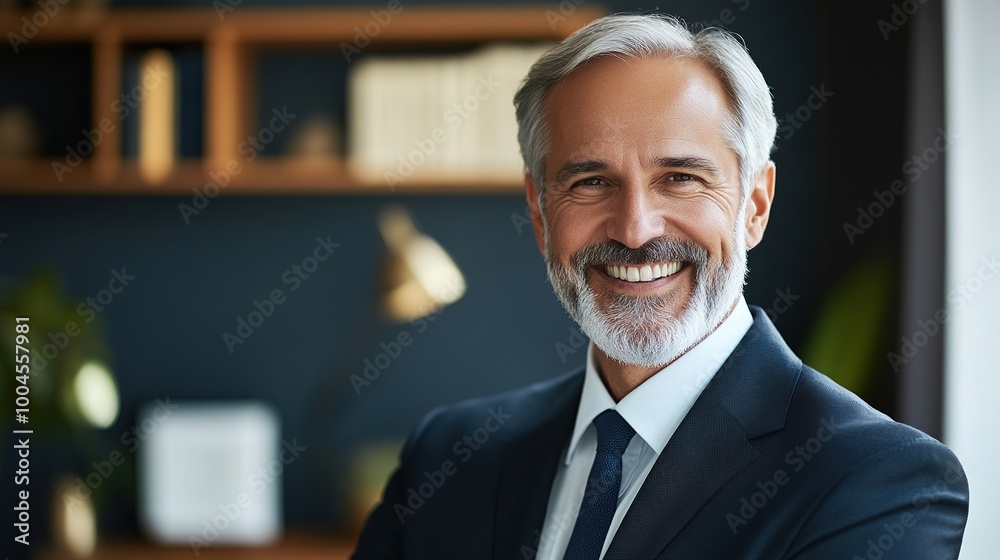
[[656, 407]]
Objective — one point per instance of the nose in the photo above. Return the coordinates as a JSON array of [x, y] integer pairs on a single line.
[[637, 216]]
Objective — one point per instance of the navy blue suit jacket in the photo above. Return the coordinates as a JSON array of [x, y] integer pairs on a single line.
[[774, 461]]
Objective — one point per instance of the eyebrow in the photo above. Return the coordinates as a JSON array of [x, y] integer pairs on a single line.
[[578, 168], [693, 163]]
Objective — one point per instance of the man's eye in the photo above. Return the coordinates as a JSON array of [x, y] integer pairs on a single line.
[[590, 182], [681, 178]]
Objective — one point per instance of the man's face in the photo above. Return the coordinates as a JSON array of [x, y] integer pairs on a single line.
[[644, 233]]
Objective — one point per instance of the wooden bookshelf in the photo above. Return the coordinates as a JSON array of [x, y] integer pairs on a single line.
[[229, 99]]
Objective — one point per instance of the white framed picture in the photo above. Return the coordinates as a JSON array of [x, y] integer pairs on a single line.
[[209, 472]]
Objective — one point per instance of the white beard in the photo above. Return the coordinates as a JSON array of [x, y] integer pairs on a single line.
[[641, 330]]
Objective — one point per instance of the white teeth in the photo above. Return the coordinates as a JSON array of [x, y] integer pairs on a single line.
[[644, 273]]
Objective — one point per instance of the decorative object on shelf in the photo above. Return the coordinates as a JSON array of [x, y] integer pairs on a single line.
[[157, 144], [210, 473], [18, 133], [317, 138], [418, 277]]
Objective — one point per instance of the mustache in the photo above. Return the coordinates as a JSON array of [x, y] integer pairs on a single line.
[[653, 251]]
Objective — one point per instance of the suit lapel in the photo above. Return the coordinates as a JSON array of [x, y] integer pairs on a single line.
[[708, 448], [529, 466], [747, 398]]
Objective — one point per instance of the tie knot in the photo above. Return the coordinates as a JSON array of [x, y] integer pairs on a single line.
[[613, 432]]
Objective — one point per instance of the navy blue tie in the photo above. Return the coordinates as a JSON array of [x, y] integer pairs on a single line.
[[600, 500]]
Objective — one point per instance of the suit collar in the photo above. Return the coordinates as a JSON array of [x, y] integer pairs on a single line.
[[762, 369], [748, 398], [657, 406]]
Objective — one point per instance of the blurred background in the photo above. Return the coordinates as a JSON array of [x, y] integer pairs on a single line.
[[257, 241]]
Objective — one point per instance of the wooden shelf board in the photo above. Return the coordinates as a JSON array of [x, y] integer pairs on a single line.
[[263, 176], [66, 26], [470, 24], [309, 25]]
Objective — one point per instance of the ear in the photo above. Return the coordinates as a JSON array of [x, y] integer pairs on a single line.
[[531, 192], [758, 203]]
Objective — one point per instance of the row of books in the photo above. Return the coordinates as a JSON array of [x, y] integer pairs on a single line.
[[438, 115]]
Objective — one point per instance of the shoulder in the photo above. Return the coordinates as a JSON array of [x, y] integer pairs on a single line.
[[504, 415], [782, 402], [865, 466], [858, 425], [876, 486]]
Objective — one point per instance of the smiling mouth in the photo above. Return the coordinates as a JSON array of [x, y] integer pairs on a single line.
[[644, 273]]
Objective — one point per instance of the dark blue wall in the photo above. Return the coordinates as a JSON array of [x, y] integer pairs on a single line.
[[192, 281]]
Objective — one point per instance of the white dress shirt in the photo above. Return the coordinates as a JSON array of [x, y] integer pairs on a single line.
[[654, 409]]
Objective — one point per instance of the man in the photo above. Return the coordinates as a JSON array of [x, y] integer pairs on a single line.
[[693, 432]]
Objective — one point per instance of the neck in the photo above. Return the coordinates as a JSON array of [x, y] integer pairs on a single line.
[[621, 379]]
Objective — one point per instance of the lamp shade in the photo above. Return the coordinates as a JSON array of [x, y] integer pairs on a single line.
[[418, 277]]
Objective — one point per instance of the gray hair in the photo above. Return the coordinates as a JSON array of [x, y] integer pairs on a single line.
[[749, 129]]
